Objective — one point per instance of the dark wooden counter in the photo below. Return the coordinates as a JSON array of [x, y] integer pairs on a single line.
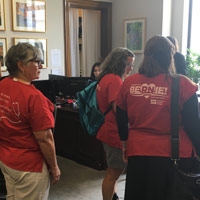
[[74, 143]]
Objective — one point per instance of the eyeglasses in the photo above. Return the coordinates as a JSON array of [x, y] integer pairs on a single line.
[[38, 61], [129, 65]]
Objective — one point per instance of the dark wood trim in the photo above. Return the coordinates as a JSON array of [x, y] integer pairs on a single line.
[[106, 27], [88, 4]]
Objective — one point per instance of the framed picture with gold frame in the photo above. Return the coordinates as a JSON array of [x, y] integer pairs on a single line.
[[29, 15], [134, 34], [2, 15], [3, 50], [40, 43]]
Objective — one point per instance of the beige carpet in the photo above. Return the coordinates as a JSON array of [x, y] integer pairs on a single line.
[[79, 182]]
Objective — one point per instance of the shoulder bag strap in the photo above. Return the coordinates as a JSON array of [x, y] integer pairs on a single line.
[[175, 118]]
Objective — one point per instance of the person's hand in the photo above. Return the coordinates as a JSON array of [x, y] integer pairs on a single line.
[[55, 173], [124, 155], [124, 152]]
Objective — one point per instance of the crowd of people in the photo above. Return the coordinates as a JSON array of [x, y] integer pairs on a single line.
[[136, 132]]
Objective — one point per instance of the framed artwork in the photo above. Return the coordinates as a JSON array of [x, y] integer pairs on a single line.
[[3, 50], [29, 15], [134, 34], [2, 15], [40, 43]]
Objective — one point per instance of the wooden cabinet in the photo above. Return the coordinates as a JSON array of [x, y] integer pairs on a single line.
[[74, 143]]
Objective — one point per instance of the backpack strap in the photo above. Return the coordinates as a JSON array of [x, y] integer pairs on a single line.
[[110, 107]]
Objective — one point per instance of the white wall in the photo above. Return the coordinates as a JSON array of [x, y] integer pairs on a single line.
[[54, 31], [180, 23], [167, 16], [152, 10], [163, 17], [129, 9]]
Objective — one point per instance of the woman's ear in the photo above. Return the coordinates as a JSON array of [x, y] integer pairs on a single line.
[[20, 66]]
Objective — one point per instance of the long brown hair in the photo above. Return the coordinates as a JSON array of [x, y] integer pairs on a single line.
[[115, 62], [158, 57]]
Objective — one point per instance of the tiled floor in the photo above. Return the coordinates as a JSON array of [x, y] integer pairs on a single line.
[[80, 183]]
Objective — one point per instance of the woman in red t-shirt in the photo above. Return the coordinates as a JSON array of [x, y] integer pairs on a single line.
[[27, 149], [116, 66], [143, 117]]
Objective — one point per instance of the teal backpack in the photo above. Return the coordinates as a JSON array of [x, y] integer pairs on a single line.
[[91, 118]]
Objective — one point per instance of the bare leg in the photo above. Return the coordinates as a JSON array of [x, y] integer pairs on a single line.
[[109, 182]]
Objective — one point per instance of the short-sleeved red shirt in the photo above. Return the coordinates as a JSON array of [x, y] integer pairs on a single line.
[[107, 91], [147, 102], [23, 109]]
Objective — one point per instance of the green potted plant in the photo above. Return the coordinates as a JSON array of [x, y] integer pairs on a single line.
[[193, 65]]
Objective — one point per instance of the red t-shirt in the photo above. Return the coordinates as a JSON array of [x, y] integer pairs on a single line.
[[23, 109], [107, 91], [147, 102]]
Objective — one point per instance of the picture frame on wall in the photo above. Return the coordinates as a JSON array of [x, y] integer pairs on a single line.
[[40, 43], [29, 15], [2, 15], [134, 34], [3, 50]]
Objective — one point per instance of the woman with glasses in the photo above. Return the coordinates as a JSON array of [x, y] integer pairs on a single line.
[[27, 148]]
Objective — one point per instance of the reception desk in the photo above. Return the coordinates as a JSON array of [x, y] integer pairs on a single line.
[[70, 139], [74, 143]]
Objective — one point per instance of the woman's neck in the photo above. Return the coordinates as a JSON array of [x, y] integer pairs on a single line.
[[21, 79]]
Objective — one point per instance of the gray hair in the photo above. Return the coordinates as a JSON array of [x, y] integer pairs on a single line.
[[20, 52]]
